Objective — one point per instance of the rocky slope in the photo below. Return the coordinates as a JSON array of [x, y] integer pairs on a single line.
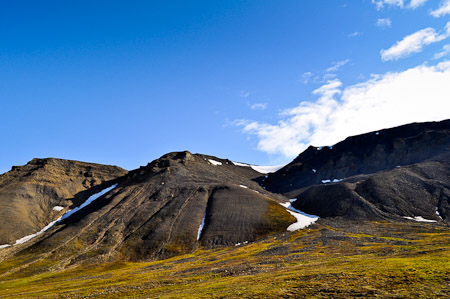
[[158, 210], [421, 190], [388, 174], [28, 194]]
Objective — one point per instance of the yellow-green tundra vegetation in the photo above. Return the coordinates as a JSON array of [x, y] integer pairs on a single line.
[[372, 259]]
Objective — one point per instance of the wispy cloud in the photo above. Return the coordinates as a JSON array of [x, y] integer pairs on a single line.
[[384, 23], [336, 66], [444, 9], [259, 106], [414, 43], [326, 75], [356, 33], [445, 51], [416, 3], [306, 77], [244, 94], [417, 94]]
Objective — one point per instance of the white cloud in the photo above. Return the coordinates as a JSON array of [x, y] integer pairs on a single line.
[[380, 3], [416, 3], [444, 9], [414, 43], [399, 3], [445, 51], [417, 94], [329, 89], [337, 65], [383, 23], [258, 106], [356, 33]]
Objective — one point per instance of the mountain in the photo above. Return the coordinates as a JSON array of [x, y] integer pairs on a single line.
[[171, 206], [183, 201], [388, 174], [33, 195]]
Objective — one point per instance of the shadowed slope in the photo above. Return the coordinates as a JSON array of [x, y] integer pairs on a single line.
[[29, 193], [419, 190]]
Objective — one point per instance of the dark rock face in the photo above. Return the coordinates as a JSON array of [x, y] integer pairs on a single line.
[[362, 154], [421, 189], [156, 211], [390, 174], [28, 193]]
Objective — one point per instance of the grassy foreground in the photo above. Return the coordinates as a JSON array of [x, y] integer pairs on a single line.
[[371, 260]]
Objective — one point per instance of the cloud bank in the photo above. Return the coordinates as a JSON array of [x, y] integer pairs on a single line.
[[417, 94]]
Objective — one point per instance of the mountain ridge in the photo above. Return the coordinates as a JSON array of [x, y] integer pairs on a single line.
[[182, 201]]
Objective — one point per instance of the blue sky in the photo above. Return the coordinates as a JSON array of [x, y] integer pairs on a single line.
[[124, 82]]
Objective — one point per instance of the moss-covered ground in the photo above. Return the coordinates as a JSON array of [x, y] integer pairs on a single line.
[[378, 259]]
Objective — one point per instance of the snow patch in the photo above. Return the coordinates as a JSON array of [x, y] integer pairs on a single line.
[[4, 246], [243, 186], [266, 169], [332, 181], [88, 202], [303, 219], [419, 219], [313, 170], [437, 213], [214, 162], [200, 228], [58, 208], [29, 237], [260, 169], [377, 133], [65, 215], [240, 164], [398, 166]]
